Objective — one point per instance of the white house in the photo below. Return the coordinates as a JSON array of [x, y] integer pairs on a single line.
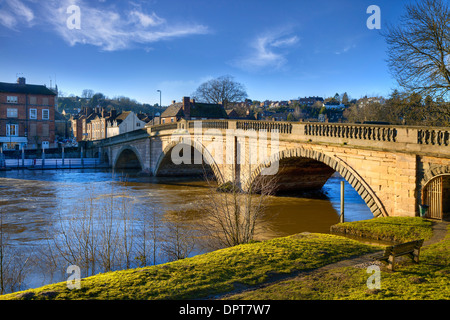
[[125, 122]]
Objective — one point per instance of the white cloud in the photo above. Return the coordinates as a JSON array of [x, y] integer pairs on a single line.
[[285, 42], [345, 49], [14, 13], [104, 26], [266, 52], [147, 20]]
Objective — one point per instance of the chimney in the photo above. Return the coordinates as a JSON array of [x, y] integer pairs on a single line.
[[87, 111], [21, 80], [187, 107], [113, 113]]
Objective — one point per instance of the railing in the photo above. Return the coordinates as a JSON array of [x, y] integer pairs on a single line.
[[69, 163], [282, 127], [208, 124], [159, 127], [377, 133], [135, 134], [406, 138], [440, 137]]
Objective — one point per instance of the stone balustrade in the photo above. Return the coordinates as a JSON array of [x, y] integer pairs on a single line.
[[439, 137], [398, 138], [364, 132], [282, 127]]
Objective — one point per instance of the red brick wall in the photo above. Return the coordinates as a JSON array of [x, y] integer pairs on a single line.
[[23, 120]]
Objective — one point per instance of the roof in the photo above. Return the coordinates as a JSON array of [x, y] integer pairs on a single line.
[[59, 116], [197, 110], [25, 88], [173, 110], [208, 110], [122, 116]]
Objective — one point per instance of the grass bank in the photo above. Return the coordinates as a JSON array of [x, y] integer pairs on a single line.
[[265, 263], [394, 229], [210, 274], [428, 280]]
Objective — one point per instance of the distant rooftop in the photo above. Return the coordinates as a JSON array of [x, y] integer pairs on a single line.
[[22, 87]]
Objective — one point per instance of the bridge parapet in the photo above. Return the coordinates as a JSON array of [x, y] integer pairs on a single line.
[[352, 131], [434, 136], [387, 137]]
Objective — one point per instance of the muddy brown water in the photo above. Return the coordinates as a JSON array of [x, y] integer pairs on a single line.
[[32, 201]]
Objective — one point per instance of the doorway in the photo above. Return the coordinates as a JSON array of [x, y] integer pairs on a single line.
[[436, 195]]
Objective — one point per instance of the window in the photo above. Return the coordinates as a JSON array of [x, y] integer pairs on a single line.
[[12, 130], [33, 113], [45, 101], [33, 100], [11, 99], [11, 112], [45, 114]]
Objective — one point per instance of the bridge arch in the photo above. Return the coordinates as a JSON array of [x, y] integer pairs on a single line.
[[128, 157], [197, 147], [336, 165]]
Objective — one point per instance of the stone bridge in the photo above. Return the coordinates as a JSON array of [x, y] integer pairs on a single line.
[[393, 168]]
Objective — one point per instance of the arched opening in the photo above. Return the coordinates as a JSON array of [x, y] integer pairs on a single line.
[[436, 195], [298, 174], [186, 163], [301, 170], [128, 159]]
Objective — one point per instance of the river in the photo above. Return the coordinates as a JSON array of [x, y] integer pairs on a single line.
[[32, 203]]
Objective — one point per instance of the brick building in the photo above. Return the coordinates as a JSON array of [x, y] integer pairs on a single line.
[[27, 115]]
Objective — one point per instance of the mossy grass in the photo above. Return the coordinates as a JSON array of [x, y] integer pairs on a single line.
[[209, 274], [221, 272], [394, 229], [428, 280]]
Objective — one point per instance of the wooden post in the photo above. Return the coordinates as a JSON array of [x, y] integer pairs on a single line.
[[341, 217], [23, 156], [43, 157]]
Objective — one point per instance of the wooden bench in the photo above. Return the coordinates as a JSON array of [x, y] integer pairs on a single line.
[[411, 249]]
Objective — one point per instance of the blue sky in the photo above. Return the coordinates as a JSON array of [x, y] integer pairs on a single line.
[[279, 50]]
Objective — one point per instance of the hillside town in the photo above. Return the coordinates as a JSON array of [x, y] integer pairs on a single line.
[[36, 117]]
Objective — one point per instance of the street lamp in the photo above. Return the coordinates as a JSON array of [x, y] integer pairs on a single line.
[[159, 97]]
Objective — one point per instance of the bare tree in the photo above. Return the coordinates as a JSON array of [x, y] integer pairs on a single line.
[[419, 48], [179, 236], [147, 246], [87, 93], [221, 90], [232, 215], [14, 264]]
